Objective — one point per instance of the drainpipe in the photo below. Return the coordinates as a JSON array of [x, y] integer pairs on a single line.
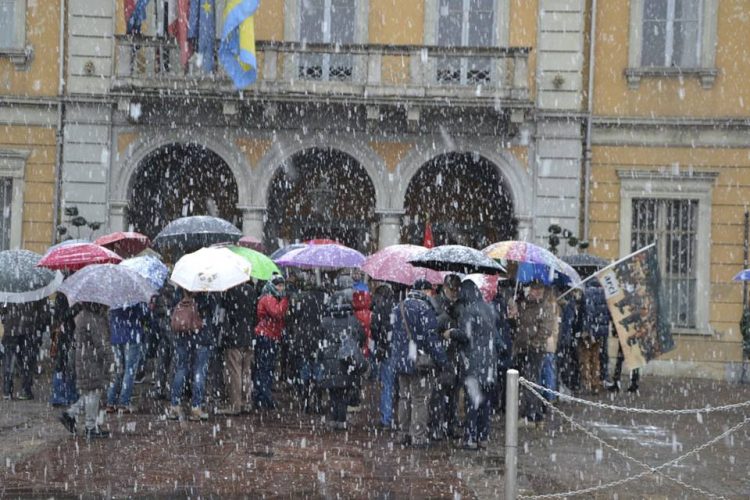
[[60, 119], [590, 112]]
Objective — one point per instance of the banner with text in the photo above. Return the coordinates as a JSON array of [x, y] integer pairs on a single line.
[[632, 287]]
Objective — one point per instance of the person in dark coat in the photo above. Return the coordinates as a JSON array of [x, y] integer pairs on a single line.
[[23, 326], [414, 338], [505, 354], [62, 350], [595, 331], [239, 305], [306, 311], [163, 342], [94, 360], [478, 331], [340, 359], [571, 325], [126, 330], [269, 330], [383, 300]]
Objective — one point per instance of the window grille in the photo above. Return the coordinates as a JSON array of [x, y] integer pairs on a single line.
[[673, 226], [465, 23]]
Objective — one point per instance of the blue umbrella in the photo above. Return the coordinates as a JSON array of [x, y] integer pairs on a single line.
[[742, 276], [528, 272], [151, 268]]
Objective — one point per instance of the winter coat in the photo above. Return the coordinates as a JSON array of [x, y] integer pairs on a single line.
[[505, 351], [240, 304], [422, 322], [479, 324], [306, 312], [94, 356], [25, 322], [63, 316], [340, 359], [383, 300], [571, 322], [126, 324], [272, 310], [596, 316], [537, 324], [445, 311], [362, 302], [208, 308]]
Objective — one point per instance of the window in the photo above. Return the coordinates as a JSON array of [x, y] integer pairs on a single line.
[[467, 23], [6, 202], [671, 33], [672, 38], [673, 226], [329, 22], [7, 24], [673, 210]]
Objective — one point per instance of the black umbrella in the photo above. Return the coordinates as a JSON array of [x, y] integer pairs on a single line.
[[188, 234], [577, 260], [458, 259], [22, 281]]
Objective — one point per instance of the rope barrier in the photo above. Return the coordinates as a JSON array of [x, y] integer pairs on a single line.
[[643, 411], [532, 387]]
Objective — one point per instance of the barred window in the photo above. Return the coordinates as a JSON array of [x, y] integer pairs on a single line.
[[673, 225], [6, 200], [468, 23], [327, 21]]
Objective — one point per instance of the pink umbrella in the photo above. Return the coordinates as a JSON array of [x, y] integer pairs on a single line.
[[486, 283], [391, 264], [125, 244], [252, 244], [77, 256]]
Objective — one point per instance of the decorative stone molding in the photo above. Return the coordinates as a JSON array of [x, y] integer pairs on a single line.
[[707, 76]]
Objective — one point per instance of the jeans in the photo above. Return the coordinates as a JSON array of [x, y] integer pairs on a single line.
[[127, 360], [190, 358], [64, 390], [478, 414], [548, 377], [265, 364], [387, 384], [88, 403]]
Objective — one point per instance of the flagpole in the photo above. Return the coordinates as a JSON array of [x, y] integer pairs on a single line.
[[600, 271]]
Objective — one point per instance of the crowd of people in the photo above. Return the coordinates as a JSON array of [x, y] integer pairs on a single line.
[[438, 353]]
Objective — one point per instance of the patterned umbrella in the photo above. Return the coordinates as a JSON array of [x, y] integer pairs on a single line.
[[328, 256], [392, 264], [528, 253], [77, 256]]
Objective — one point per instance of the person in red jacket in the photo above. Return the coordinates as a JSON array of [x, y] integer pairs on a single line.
[[272, 308]]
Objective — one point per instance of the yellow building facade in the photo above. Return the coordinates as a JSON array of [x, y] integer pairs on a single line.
[[670, 158], [29, 116]]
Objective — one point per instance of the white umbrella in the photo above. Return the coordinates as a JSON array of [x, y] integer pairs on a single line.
[[210, 270], [109, 284]]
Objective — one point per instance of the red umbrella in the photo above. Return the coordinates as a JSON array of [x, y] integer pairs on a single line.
[[78, 256], [487, 284], [126, 244], [391, 264], [252, 244]]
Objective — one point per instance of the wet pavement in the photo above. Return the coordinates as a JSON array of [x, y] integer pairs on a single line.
[[288, 453]]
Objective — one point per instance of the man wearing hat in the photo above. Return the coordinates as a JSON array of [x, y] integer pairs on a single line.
[[416, 351]]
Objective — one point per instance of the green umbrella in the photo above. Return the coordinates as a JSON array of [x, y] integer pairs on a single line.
[[262, 267]]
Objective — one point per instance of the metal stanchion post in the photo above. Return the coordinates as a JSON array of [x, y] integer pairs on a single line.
[[511, 434]]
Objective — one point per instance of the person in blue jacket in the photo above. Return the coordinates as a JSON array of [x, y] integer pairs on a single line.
[[416, 351]]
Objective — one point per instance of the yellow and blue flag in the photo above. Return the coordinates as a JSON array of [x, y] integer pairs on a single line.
[[237, 49]]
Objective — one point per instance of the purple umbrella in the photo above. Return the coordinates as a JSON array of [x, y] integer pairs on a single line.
[[322, 257]]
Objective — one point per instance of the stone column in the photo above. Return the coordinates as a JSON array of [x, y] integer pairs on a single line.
[[389, 227], [117, 216], [252, 221]]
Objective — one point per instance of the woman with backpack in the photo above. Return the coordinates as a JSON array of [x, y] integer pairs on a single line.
[[193, 324]]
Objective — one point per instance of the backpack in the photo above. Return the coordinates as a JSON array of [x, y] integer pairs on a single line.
[[185, 317]]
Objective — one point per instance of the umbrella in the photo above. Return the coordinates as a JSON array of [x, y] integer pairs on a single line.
[[126, 244], [215, 269], [528, 272], [64, 244], [322, 241], [579, 260], [458, 259], [285, 250], [78, 255], [391, 264], [22, 281], [545, 262], [327, 256], [262, 267], [189, 234], [252, 243], [109, 284], [742, 276], [486, 283], [151, 268]]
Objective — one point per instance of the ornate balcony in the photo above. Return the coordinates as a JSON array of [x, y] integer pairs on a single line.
[[376, 74]]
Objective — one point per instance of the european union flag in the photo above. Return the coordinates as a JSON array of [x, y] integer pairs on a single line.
[[202, 26], [237, 49], [137, 17]]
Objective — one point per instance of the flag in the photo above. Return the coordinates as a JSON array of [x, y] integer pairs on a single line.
[[427, 241], [202, 29], [632, 288], [237, 48], [135, 14], [172, 17], [179, 28]]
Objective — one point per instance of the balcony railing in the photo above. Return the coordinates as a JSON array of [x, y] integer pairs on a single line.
[[372, 72]]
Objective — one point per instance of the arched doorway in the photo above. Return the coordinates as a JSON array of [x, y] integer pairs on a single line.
[[179, 180], [465, 199], [321, 193]]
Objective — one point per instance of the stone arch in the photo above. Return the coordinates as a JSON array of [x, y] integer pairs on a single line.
[[286, 147]]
